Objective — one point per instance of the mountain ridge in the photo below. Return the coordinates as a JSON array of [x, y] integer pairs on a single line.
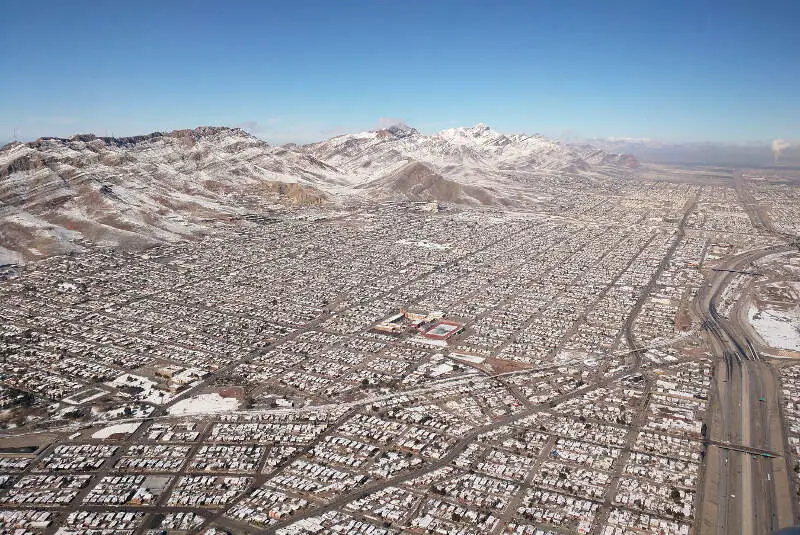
[[57, 194], [455, 151]]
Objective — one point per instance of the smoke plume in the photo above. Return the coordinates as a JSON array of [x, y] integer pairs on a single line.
[[387, 122], [777, 146]]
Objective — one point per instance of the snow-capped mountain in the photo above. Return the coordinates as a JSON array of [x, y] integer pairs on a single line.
[[471, 165], [467, 152], [56, 193]]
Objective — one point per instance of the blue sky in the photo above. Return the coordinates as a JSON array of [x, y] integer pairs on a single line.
[[300, 71]]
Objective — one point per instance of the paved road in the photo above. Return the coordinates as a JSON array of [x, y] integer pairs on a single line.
[[742, 492], [456, 450], [635, 351]]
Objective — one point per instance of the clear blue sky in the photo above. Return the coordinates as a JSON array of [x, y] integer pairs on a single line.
[[300, 71]]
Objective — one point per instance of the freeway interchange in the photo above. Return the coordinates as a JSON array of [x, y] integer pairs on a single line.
[[747, 486]]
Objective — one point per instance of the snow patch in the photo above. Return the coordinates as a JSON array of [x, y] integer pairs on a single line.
[[116, 429], [778, 328], [204, 404]]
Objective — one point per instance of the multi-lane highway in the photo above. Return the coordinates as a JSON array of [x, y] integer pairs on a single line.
[[747, 487]]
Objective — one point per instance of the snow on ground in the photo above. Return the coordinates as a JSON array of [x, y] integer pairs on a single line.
[[778, 328], [115, 429], [425, 244], [85, 396], [441, 369], [131, 380], [204, 404], [148, 392], [469, 358], [127, 411], [8, 256]]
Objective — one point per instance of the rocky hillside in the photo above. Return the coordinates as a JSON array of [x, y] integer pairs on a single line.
[[58, 194], [458, 153], [415, 181], [54, 192]]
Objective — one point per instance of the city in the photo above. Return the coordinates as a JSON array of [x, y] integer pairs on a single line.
[[622, 361]]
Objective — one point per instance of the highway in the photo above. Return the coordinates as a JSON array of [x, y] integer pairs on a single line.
[[742, 491]]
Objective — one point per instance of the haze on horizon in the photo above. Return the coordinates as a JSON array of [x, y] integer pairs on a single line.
[[678, 71]]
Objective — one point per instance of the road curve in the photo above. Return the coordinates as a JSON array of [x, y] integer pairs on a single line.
[[742, 492]]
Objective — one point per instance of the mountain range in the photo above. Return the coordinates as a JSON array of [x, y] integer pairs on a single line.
[[62, 194], [754, 155]]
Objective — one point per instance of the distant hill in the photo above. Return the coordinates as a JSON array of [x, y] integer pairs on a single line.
[[722, 154]]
